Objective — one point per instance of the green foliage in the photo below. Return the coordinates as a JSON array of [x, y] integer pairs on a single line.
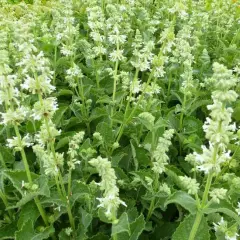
[[119, 119]]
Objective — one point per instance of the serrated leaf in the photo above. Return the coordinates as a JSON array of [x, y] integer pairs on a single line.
[[226, 211], [28, 212], [183, 199], [6, 155], [17, 177], [147, 119], [121, 226], [43, 190], [27, 232], [137, 227], [62, 143], [106, 131], [59, 115], [7, 231], [192, 125], [79, 190], [194, 106], [86, 218], [185, 227], [99, 236]]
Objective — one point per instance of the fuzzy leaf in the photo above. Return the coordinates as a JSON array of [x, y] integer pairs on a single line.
[[7, 231], [185, 227], [183, 199], [17, 177], [137, 227], [28, 212], [58, 116], [27, 232], [106, 131], [122, 225], [226, 211], [6, 155]]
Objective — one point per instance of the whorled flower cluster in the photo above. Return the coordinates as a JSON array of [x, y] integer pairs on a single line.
[[110, 200], [218, 127], [160, 154]]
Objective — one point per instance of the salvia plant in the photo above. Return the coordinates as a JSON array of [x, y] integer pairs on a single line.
[[119, 119]]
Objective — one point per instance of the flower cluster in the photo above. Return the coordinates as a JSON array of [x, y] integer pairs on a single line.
[[190, 184], [73, 149], [218, 127], [160, 154], [110, 200]]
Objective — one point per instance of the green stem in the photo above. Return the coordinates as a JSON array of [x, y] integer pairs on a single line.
[[204, 200], [55, 65], [151, 209], [60, 186], [5, 202], [182, 113], [195, 225], [70, 182], [114, 88], [28, 173]]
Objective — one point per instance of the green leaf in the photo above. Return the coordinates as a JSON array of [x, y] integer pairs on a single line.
[[137, 227], [18, 177], [62, 143], [6, 154], [27, 232], [194, 106], [86, 218], [79, 190], [147, 119], [192, 125], [99, 236], [7, 231], [106, 131], [28, 212], [183, 199], [226, 211], [185, 227], [64, 92], [43, 190], [58, 116], [76, 108], [121, 226]]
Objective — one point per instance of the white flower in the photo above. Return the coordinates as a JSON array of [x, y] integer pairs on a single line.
[[190, 184], [218, 194], [117, 55], [41, 85], [117, 38], [16, 116], [208, 161], [74, 146], [110, 200], [47, 134], [45, 109], [17, 144], [159, 155]]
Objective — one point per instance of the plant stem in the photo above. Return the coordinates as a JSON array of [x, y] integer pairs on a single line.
[[204, 199], [195, 225], [55, 65], [151, 209], [5, 202], [29, 177], [114, 88]]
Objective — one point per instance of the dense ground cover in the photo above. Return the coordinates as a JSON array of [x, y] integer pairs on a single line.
[[119, 119]]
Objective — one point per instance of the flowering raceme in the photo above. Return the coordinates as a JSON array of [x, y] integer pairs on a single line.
[[110, 200], [218, 127]]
